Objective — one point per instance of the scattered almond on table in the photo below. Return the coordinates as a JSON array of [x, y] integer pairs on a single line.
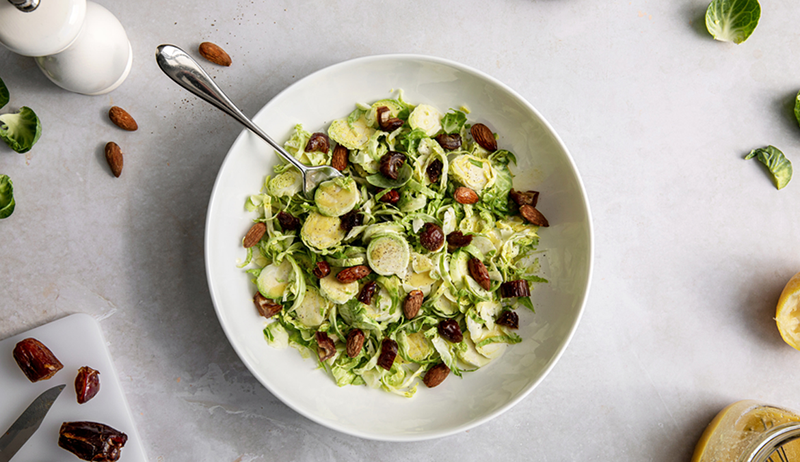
[[215, 54], [122, 119], [114, 158]]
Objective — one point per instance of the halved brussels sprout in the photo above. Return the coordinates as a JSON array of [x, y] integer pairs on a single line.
[[321, 232], [336, 197], [389, 254]]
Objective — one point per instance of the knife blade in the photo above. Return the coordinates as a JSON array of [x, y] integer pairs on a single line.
[[27, 423]]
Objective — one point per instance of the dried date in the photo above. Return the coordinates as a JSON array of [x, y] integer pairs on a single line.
[[287, 221], [92, 441], [391, 163], [509, 319], [431, 237], [365, 296], [266, 306], [325, 346], [457, 239], [36, 360], [355, 341], [340, 157], [434, 171], [350, 220], [449, 142], [318, 142], [524, 198], [87, 384], [388, 353], [386, 121], [450, 330], [391, 197], [518, 288]]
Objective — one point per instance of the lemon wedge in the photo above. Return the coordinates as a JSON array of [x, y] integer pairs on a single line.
[[787, 314]]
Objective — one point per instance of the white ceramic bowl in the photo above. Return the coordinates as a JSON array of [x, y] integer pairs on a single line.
[[544, 165]]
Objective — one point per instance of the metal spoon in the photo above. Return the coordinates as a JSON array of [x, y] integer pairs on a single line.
[[187, 73]]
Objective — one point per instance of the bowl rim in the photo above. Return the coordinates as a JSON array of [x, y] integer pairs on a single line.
[[583, 298]]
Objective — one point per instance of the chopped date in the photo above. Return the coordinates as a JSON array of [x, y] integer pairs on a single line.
[[287, 221], [391, 197], [518, 288], [350, 220], [509, 319], [449, 142], [365, 296], [457, 239], [388, 353], [36, 360], [92, 441], [390, 164], [326, 349], [386, 121], [266, 306], [479, 272], [434, 171], [450, 330], [87, 384], [318, 142], [355, 341], [524, 198]]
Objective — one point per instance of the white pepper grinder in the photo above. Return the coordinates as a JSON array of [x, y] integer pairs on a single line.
[[79, 45]]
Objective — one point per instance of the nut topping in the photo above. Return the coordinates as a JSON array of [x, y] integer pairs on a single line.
[[534, 216], [386, 121], [464, 195], [354, 273], [413, 303], [391, 163], [287, 221], [524, 198], [318, 142], [355, 341], [479, 272], [449, 142], [484, 137], [518, 288], [350, 220], [436, 375], [388, 353], [215, 54], [322, 269], [36, 360], [450, 330], [325, 347], [254, 235], [509, 319], [266, 306], [457, 239], [391, 197], [434, 171], [340, 157], [365, 296], [87, 384], [431, 237]]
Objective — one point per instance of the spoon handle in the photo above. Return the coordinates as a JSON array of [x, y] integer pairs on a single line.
[[186, 72]]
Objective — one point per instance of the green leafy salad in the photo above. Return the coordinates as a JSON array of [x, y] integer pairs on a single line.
[[411, 266]]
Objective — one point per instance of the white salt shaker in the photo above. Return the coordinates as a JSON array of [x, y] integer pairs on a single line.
[[78, 44]]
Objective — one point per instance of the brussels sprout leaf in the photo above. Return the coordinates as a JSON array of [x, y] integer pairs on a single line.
[[6, 196], [797, 107], [3, 94], [20, 130], [732, 20], [453, 121], [778, 165]]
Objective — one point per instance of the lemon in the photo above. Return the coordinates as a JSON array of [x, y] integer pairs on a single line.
[[787, 314]]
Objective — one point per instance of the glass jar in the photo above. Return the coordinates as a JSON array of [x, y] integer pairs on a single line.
[[750, 431]]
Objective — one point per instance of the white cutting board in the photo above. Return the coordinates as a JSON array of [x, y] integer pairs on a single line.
[[76, 341]]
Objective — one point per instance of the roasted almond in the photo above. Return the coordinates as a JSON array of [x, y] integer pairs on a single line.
[[340, 157], [533, 216], [215, 54], [322, 269], [464, 195], [484, 137], [479, 272], [436, 375], [114, 158], [354, 273], [254, 235], [413, 303], [122, 119]]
